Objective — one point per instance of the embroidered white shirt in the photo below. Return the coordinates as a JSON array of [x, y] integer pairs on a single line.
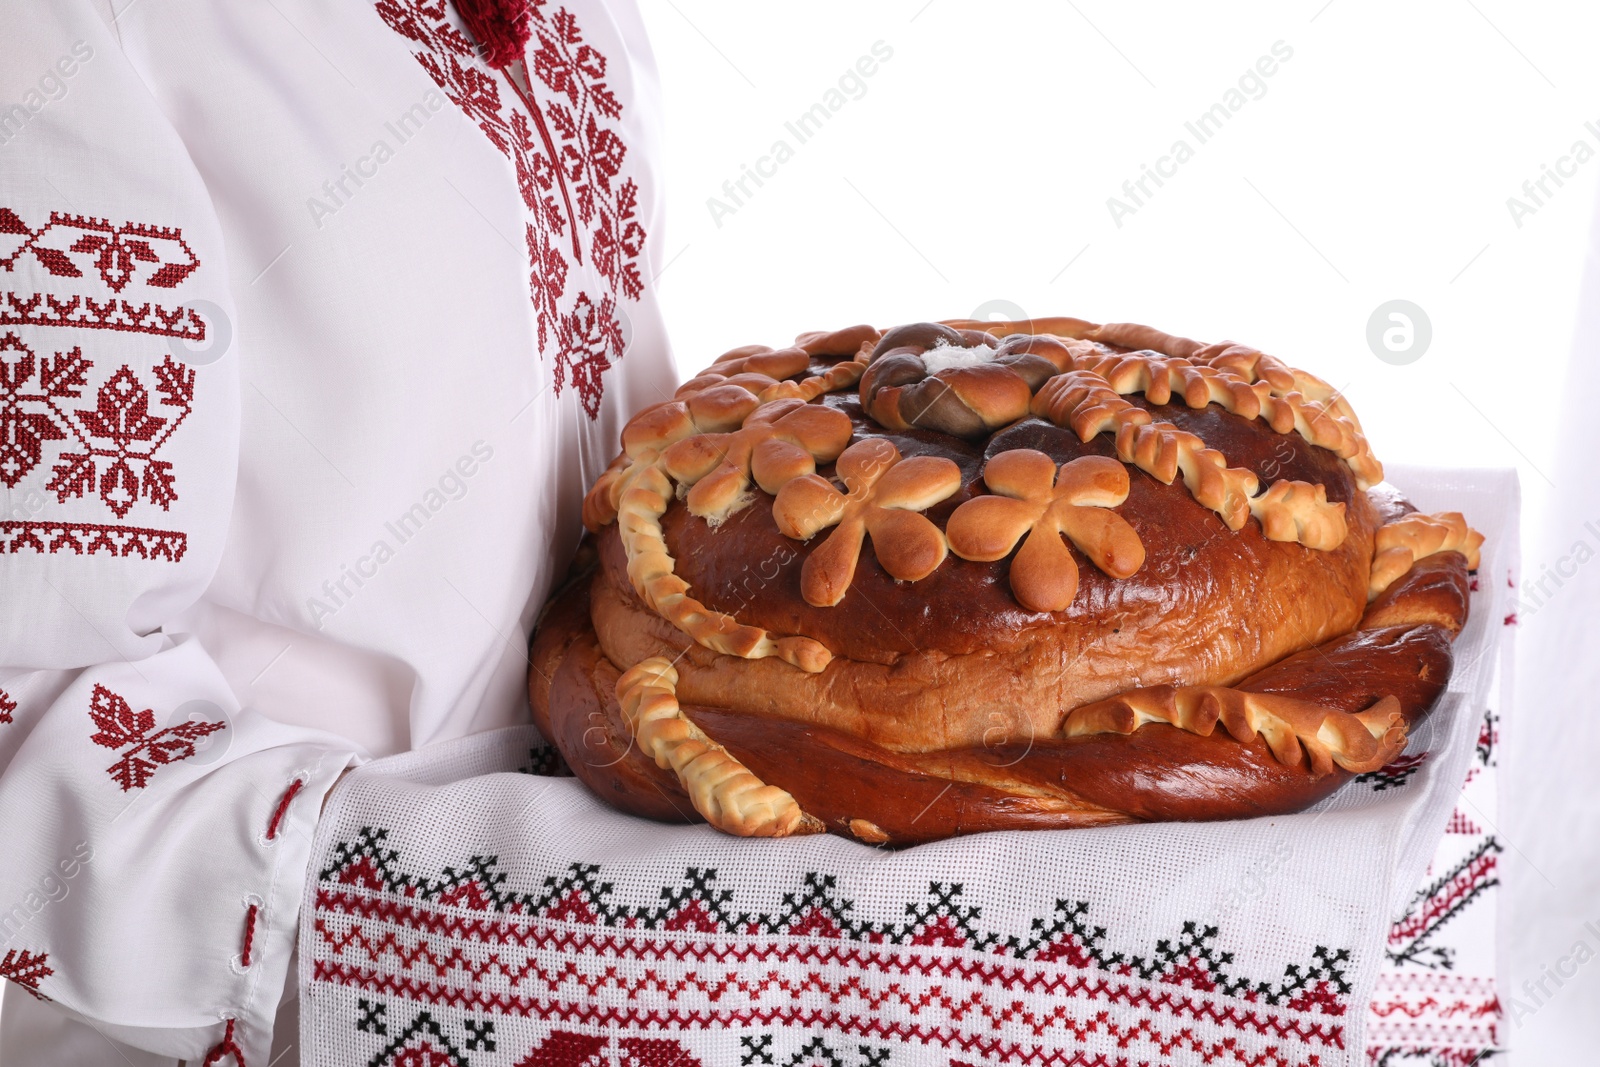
[[313, 328]]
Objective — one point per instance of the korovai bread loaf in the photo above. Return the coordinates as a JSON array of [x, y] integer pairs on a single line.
[[952, 577]]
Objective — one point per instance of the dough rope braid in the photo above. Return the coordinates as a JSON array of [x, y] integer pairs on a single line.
[[636, 489], [722, 789], [767, 372], [645, 499], [1088, 404], [1299, 733], [1285, 398], [1300, 511], [1401, 543], [1320, 422], [966, 383]]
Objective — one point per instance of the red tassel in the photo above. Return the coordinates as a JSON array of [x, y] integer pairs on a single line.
[[501, 27]]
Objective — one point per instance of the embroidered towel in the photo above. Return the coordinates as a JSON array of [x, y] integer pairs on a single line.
[[461, 915]]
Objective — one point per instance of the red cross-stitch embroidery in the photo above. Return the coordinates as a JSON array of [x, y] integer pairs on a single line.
[[46, 309], [27, 969], [591, 153], [1393, 775], [566, 1049], [482, 940], [1432, 1019], [145, 747], [90, 538], [29, 419], [67, 244], [569, 163], [1434, 905], [7, 706], [118, 436], [588, 337]]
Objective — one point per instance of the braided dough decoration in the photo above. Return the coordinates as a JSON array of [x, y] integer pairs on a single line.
[[644, 500], [1286, 399], [772, 368], [1296, 731], [883, 495], [1401, 543], [1032, 498], [1089, 405], [1299, 511], [779, 442], [635, 489], [635, 492], [956, 382], [720, 787], [839, 376]]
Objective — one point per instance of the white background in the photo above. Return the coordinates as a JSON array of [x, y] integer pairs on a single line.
[[1377, 165], [977, 166]]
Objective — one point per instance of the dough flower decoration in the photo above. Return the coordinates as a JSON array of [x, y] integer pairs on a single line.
[[715, 409], [883, 496], [636, 490], [1032, 498], [780, 441]]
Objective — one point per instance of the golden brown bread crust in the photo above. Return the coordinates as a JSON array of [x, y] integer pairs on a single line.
[[1013, 781], [572, 689], [965, 606], [828, 614]]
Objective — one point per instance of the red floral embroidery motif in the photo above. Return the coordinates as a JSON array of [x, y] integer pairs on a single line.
[[7, 706], [27, 969], [146, 748], [23, 432], [119, 436], [121, 418], [569, 162], [589, 335], [591, 154], [116, 253]]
